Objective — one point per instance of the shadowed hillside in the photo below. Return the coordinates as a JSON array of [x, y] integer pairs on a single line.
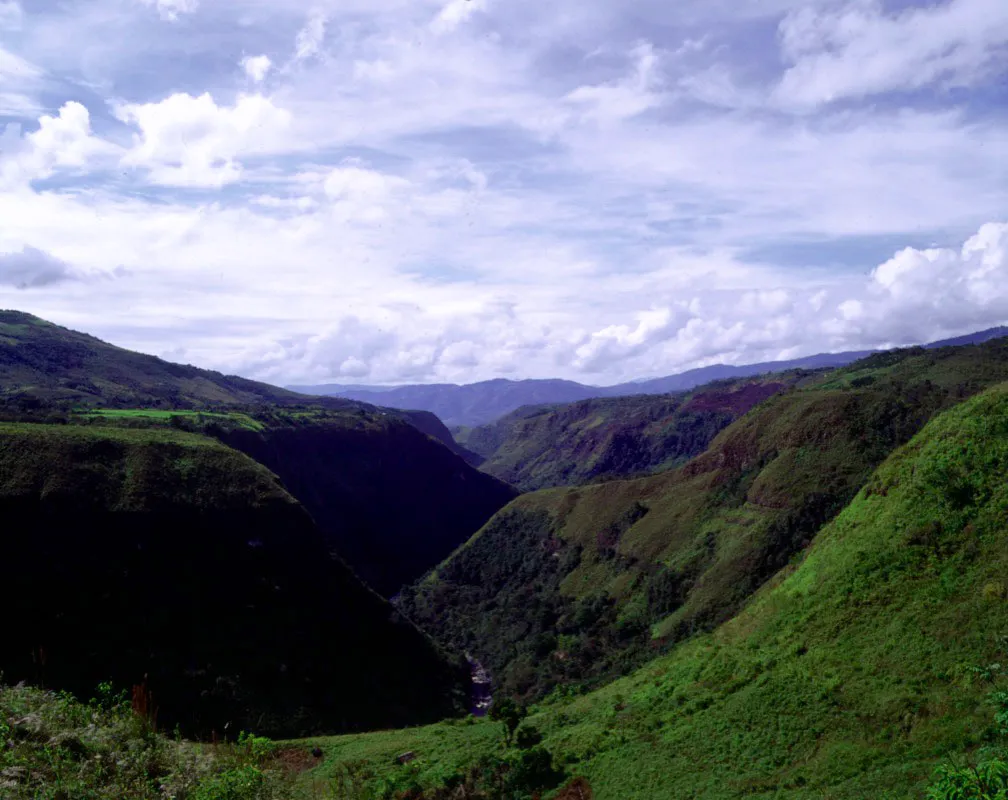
[[567, 585], [157, 553], [388, 498], [620, 437], [390, 490]]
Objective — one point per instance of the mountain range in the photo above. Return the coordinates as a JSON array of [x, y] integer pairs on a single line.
[[485, 401]]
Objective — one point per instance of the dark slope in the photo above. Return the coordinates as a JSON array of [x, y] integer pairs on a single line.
[[42, 364], [570, 584], [391, 500], [620, 437], [429, 423], [149, 552]]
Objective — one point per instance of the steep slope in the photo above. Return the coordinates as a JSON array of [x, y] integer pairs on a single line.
[[133, 553], [543, 446], [45, 364], [428, 423], [567, 585], [852, 674], [389, 499]]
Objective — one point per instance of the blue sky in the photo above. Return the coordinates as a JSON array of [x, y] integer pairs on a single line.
[[452, 190]]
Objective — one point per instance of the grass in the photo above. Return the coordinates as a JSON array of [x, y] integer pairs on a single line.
[[240, 419], [851, 674], [57, 748], [708, 535], [618, 437]]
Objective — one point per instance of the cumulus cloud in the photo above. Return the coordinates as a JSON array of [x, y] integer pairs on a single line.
[[257, 67], [857, 48], [30, 268], [61, 142], [192, 141]]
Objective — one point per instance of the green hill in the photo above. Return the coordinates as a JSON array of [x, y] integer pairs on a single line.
[[580, 584], [860, 667], [564, 445], [382, 485], [159, 554], [42, 365]]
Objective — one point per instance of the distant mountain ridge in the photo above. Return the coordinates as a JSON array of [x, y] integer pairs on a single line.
[[486, 401]]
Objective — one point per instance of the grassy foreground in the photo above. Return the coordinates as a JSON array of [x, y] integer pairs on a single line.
[[854, 673]]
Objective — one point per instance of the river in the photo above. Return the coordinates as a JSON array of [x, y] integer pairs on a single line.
[[481, 692]]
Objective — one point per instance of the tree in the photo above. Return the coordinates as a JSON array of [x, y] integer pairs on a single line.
[[510, 713]]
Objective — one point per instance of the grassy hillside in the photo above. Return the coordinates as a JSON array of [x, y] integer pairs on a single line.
[[42, 364], [572, 585], [565, 445], [165, 554], [858, 669]]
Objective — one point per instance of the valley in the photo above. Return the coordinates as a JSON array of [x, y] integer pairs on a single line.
[[784, 584]]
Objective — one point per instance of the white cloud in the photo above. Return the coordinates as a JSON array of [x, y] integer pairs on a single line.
[[61, 142], [14, 67], [191, 141], [257, 67], [170, 10], [446, 190], [858, 49], [310, 37], [626, 97], [454, 13]]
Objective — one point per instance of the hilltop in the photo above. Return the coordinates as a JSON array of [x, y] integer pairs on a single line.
[[579, 584], [565, 445], [165, 558], [42, 364]]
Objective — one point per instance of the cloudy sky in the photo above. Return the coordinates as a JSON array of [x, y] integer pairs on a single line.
[[381, 191]]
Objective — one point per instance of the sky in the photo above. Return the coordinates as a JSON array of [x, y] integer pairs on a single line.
[[413, 191]]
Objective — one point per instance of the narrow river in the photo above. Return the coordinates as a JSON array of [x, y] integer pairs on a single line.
[[481, 692]]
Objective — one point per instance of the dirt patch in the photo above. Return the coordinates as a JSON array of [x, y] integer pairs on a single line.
[[737, 402], [295, 760]]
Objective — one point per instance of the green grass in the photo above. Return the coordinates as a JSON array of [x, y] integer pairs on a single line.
[[849, 675], [56, 748], [563, 587], [236, 418], [129, 469]]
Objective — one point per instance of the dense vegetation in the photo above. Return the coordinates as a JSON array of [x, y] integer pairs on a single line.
[[872, 666], [162, 558], [572, 585], [539, 447]]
